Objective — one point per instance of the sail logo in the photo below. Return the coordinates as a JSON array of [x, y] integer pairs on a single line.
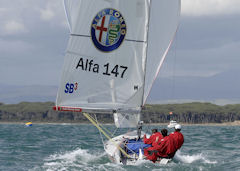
[[70, 87], [108, 30]]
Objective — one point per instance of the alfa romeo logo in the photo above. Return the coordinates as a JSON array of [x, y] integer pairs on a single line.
[[108, 30]]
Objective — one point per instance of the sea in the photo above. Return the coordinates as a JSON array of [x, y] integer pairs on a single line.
[[60, 147]]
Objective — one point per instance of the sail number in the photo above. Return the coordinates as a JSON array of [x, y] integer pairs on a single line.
[[115, 71], [105, 69]]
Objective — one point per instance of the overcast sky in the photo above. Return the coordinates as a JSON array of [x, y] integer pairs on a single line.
[[34, 36]]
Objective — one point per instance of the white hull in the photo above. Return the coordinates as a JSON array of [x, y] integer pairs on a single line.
[[115, 155]]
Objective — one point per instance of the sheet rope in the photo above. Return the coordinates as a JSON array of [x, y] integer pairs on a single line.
[[95, 119], [94, 122]]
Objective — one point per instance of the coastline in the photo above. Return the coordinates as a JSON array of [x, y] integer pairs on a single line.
[[235, 123]]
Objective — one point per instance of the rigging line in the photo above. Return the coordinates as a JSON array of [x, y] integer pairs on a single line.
[[100, 132], [148, 124], [130, 40], [104, 133], [148, 128], [114, 132], [120, 123], [109, 132], [174, 67], [100, 125]]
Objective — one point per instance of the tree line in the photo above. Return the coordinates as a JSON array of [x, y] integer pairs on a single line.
[[193, 113]]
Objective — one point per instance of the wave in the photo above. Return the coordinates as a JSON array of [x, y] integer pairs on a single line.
[[76, 158], [79, 159], [192, 158], [82, 159]]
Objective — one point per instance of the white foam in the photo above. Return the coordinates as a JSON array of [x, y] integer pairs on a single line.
[[141, 162], [78, 158], [81, 158], [192, 158], [72, 156], [113, 166]]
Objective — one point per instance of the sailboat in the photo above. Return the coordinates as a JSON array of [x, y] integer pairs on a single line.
[[115, 51]]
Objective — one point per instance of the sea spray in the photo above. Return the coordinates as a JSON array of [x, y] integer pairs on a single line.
[[192, 158], [79, 158]]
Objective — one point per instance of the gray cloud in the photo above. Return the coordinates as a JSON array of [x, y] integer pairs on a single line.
[[210, 7], [205, 46], [32, 52]]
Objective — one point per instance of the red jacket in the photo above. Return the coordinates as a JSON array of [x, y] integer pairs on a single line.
[[154, 139], [166, 148], [178, 139], [151, 154]]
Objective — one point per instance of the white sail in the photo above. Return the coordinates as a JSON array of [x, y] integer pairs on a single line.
[[126, 120], [94, 79], [115, 51], [164, 19]]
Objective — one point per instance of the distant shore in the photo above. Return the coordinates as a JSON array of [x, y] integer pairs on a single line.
[[188, 114], [235, 123]]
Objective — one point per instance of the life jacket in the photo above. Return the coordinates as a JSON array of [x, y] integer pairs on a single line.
[[178, 139]]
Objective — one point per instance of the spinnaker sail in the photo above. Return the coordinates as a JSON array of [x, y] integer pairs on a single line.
[[115, 51]]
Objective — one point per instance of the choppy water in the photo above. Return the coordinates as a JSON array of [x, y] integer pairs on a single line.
[[78, 147]]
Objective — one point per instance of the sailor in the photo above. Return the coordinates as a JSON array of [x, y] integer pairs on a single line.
[[165, 149], [154, 139], [177, 136]]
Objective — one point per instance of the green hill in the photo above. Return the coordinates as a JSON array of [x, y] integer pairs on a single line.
[[185, 113]]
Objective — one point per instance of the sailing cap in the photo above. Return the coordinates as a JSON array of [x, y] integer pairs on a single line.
[[178, 126]]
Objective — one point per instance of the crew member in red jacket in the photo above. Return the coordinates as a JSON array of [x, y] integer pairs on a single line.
[[165, 149], [177, 137], [154, 139]]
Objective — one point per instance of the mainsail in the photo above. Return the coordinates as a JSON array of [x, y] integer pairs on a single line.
[[115, 51]]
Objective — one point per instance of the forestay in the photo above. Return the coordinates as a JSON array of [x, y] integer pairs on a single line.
[[115, 51]]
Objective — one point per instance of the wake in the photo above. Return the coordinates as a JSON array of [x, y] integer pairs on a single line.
[[76, 158], [192, 158], [79, 159], [82, 159]]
